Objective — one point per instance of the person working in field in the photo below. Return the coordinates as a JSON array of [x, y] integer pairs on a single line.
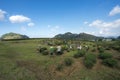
[[79, 47], [51, 50], [59, 50]]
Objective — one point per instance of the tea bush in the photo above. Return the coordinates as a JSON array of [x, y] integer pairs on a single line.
[[93, 50], [101, 49], [45, 52], [65, 48], [110, 62], [59, 67], [42, 49], [105, 55], [68, 61], [80, 53], [90, 60]]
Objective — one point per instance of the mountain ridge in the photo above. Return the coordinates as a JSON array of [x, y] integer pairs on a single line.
[[80, 36]]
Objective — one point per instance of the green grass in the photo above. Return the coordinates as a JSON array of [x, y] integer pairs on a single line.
[[19, 60]]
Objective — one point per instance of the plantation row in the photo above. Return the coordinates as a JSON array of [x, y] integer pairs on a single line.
[[90, 60], [90, 52]]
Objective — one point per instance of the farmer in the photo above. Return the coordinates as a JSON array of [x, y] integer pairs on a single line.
[[51, 50], [87, 47], [59, 50], [70, 46], [79, 47]]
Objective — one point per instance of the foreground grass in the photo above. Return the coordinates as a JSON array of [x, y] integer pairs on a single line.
[[20, 61]]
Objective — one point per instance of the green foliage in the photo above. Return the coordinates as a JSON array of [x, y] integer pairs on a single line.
[[65, 48], [93, 50], [13, 36], [59, 67], [71, 36], [19, 61], [101, 49], [107, 48], [110, 62], [105, 55], [90, 60], [117, 47], [45, 52], [42, 49], [80, 53], [68, 61]]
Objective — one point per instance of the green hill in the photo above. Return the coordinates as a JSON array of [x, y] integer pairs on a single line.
[[81, 36], [13, 36]]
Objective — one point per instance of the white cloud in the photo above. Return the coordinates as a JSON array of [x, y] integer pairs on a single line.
[[2, 15], [106, 28], [104, 31], [85, 22], [31, 24], [115, 10], [19, 19], [101, 24]]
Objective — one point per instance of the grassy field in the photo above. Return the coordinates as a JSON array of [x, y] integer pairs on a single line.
[[19, 60]]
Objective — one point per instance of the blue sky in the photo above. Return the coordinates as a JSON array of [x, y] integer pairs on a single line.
[[46, 18]]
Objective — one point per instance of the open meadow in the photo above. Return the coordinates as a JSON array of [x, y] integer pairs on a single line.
[[22, 60]]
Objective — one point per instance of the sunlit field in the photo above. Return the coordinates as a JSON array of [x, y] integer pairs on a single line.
[[21, 60]]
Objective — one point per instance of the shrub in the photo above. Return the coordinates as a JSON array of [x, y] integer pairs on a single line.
[[105, 55], [110, 62], [45, 52], [93, 50], [59, 67], [65, 48], [101, 50], [94, 45], [107, 48], [79, 53], [68, 61], [42, 49], [116, 47], [90, 60]]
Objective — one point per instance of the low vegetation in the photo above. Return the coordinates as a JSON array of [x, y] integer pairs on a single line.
[[110, 62], [79, 53], [90, 60], [105, 55], [68, 61], [32, 60]]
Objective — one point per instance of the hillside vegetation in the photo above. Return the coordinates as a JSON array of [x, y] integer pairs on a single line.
[[13, 36], [81, 36]]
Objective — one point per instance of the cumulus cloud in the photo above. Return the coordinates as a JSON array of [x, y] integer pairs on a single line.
[[31, 24], [19, 19], [102, 24], [105, 31], [106, 28], [2, 15], [115, 10]]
